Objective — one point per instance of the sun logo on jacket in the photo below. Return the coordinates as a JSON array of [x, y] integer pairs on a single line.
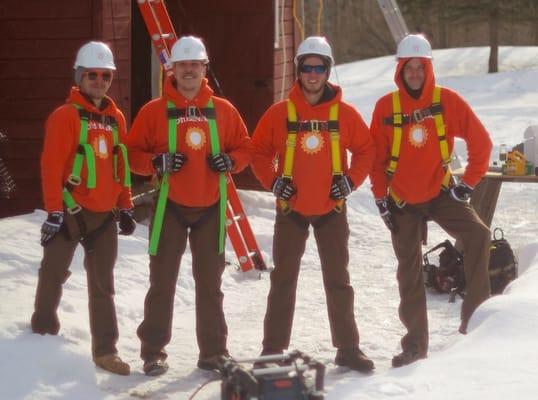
[[100, 147], [312, 142], [418, 134], [195, 138]]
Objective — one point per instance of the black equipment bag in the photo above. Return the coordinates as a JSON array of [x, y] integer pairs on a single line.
[[448, 276]]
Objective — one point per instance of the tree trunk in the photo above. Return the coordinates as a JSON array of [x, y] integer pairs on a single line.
[[494, 38]]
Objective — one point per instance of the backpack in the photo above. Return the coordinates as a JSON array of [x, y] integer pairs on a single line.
[[448, 276], [502, 263]]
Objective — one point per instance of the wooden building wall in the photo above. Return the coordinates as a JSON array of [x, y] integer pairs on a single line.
[[39, 40], [283, 66]]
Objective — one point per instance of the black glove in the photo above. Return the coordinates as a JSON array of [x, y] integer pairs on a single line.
[[127, 223], [383, 206], [283, 188], [51, 226], [220, 162], [461, 192], [341, 187], [168, 162]]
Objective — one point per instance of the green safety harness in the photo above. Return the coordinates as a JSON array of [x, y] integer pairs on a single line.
[[398, 120], [86, 154], [164, 186], [294, 126]]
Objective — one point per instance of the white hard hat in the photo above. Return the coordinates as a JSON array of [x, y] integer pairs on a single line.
[[95, 55], [414, 46], [315, 45], [189, 48]]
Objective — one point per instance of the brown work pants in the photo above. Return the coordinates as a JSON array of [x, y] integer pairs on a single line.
[[200, 225], [99, 259], [332, 233], [461, 222]]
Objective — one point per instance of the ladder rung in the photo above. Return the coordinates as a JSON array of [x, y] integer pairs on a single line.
[[238, 217]]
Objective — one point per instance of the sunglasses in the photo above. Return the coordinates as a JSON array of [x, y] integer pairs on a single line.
[[318, 69], [105, 75]]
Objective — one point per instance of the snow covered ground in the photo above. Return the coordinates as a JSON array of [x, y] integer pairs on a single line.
[[498, 359]]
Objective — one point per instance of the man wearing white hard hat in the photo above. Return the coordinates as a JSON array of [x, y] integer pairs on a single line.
[[85, 177], [309, 135], [414, 129], [190, 139]]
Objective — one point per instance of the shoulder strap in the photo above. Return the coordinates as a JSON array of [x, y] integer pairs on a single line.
[[164, 186], [294, 126], [164, 189], [397, 133], [443, 144], [223, 199], [435, 111]]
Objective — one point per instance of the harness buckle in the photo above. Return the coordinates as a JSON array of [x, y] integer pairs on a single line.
[[74, 180], [191, 112], [315, 125], [74, 210], [418, 115]]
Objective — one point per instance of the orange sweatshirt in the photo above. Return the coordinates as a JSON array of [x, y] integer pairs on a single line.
[[419, 172], [62, 135], [195, 184], [312, 166]]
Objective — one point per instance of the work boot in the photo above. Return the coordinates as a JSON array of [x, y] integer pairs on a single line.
[[45, 324], [155, 367], [213, 363], [354, 359], [406, 357], [112, 363]]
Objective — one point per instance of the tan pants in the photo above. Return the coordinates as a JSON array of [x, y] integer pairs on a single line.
[[461, 222], [201, 227], [99, 265], [332, 233]]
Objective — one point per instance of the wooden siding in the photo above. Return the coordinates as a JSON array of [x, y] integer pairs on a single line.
[[239, 39], [284, 68], [116, 31], [38, 44]]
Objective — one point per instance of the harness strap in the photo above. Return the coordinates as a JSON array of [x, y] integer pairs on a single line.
[[335, 152], [398, 120], [294, 127], [191, 112], [443, 144], [165, 186], [85, 153], [417, 116], [291, 143], [87, 238], [313, 126], [223, 201]]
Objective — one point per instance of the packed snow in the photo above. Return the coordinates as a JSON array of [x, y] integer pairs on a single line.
[[498, 359]]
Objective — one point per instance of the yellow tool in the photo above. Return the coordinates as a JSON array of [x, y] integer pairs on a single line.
[[515, 163]]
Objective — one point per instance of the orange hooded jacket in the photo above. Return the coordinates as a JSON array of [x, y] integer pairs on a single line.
[[195, 184], [419, 172], [62, 136], [312, 167]]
